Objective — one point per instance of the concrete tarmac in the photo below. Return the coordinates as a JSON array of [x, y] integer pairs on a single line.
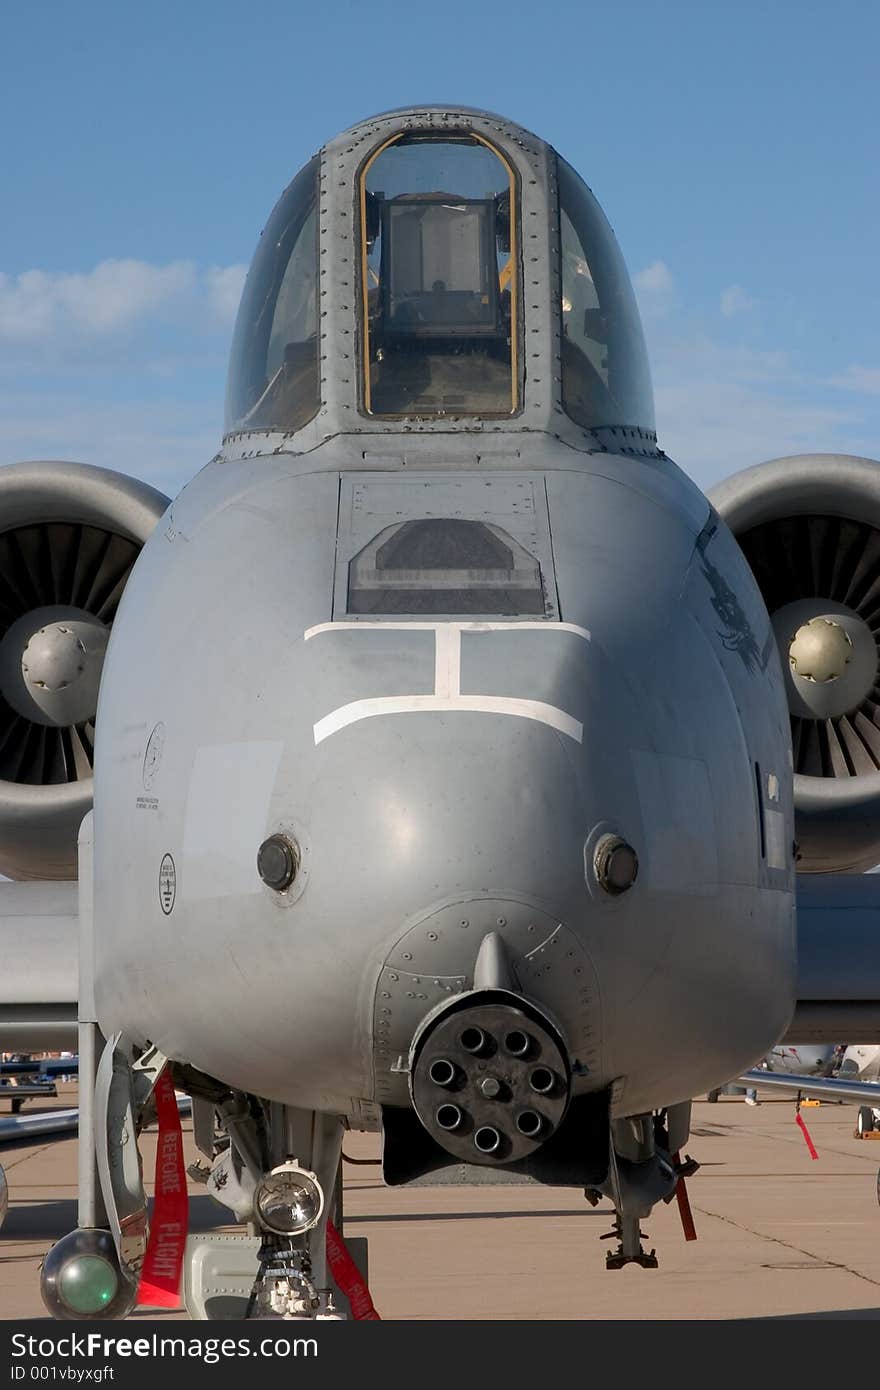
[[779, 1235]]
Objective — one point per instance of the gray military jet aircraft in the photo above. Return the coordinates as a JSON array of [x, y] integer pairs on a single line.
[[444, 780]]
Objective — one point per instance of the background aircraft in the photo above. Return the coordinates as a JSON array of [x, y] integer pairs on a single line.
[[861, 1059], [447, 778]]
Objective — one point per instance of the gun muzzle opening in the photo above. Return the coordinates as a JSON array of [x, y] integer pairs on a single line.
[[529, 1123], [487, 1139], [474, 1041], [517, 1043], [448, 1117], [442, 1072], [542, 1080]]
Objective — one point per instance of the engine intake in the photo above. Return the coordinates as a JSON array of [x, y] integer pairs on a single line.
[[70, 536], [809, 527]]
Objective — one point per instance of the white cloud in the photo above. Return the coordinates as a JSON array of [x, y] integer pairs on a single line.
[[224, 285], [736, 300], [42, 307], [713, 428], [655, 291], [698, 354], [39, 304], [656, 278], [121, 366], [163, 444], [723, 408], [865, 380]]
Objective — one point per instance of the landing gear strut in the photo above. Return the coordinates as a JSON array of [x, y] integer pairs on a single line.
[[283, 1287], [630, 1251], [644, 1169]]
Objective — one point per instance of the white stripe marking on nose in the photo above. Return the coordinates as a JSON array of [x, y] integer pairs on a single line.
[[469, 704], [447, 694]]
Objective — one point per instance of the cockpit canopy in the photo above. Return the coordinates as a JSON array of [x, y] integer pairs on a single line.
[[440, 311], [606, 380], [441, 316]]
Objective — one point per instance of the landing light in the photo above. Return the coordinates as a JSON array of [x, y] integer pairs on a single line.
[[87, 1284], [81, 1277], [289, 1201]]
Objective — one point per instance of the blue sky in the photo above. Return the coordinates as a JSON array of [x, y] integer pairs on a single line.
[[734, 149]]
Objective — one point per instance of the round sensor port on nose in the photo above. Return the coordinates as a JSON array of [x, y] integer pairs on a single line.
[[278, 862], [615, 865]]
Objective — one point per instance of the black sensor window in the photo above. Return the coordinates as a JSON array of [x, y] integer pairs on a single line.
[[445, 566]]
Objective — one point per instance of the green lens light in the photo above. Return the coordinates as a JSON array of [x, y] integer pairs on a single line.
[[87, 1284]]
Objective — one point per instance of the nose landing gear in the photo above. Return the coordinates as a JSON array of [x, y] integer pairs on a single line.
[[283, 1287], [645, 1169], [630, 1251]]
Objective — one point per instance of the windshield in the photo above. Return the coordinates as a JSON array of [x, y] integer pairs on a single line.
[[274, 366], [439, 279], [605, 375]]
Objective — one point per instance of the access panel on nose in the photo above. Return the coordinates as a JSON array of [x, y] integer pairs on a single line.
[[445, 600]]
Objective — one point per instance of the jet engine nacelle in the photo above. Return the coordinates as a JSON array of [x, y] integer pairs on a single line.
[[809, 526], [69, 536]]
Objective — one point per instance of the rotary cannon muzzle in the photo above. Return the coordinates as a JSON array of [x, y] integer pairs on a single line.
[[508, 1067], [443, 1072]]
